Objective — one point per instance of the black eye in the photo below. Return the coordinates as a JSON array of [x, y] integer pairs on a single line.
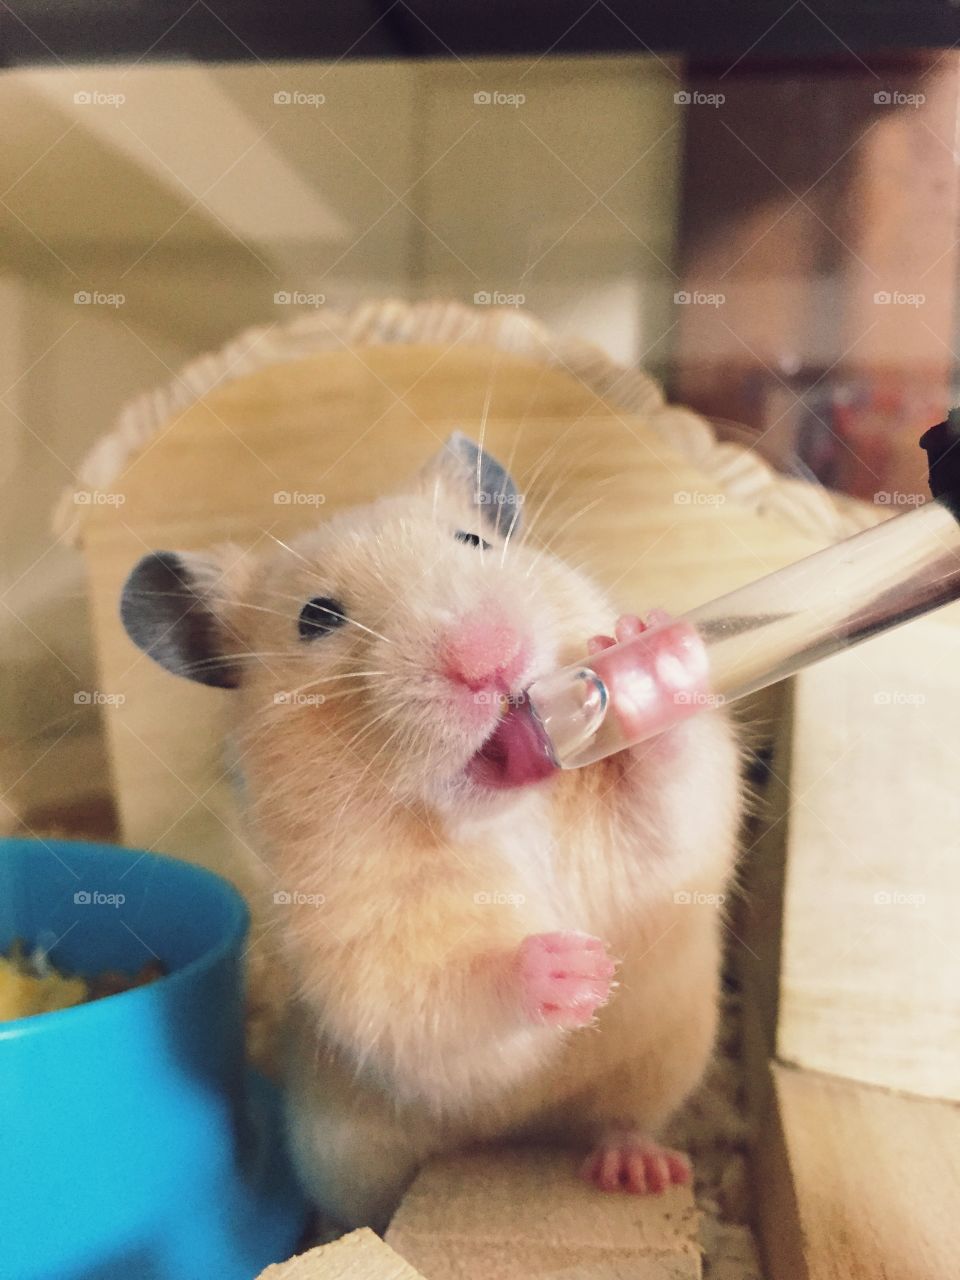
[[472, 539], [320, 615]]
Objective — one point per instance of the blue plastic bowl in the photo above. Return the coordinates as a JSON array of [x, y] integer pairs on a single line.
[[134, 1144]]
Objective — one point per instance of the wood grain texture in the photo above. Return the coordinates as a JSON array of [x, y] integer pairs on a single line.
[[518, 1215], [867, 1185], [361, 1255], [870, 961]]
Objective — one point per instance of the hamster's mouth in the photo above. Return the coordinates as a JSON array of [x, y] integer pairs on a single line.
[[514, 755]]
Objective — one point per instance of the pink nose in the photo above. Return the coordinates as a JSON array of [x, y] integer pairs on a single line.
[[482, 649]]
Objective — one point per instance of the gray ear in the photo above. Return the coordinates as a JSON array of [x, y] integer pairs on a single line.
[[482, 480], [166, 609]]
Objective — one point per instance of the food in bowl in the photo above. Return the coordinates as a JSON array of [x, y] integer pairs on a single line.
[[31, 984]]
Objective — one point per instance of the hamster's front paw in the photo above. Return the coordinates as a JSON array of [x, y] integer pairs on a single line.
[[564, 977], [628, 627]]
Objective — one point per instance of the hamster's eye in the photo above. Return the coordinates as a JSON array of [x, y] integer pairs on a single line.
[[320, 615], [473, 539]]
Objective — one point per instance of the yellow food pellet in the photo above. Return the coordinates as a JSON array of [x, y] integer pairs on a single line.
[[23, 994]]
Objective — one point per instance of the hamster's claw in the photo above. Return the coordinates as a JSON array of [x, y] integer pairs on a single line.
[[564, 977], [634, 1163]]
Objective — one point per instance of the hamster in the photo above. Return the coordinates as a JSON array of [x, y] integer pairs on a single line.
[[479, 953]]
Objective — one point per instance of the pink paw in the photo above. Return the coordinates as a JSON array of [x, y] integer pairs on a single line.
[[564, 977], [631, 1162], [628, 627]]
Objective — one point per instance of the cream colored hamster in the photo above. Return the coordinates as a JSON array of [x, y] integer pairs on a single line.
[[478, 953]]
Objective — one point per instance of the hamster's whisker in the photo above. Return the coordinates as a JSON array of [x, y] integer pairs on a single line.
[[353, 790], [285, 595], [179, 595], [506, 541], [369, 630], [562, 529], [221, 659], [366, 769], [547, 499], [346, 675], [365, 728]]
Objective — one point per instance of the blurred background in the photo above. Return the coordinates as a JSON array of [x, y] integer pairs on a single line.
[[774, 237]]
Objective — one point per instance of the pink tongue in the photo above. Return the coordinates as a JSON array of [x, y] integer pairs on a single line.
[[514, 755]]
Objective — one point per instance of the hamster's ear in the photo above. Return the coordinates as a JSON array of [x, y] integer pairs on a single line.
[[169, 608], [479, 480]]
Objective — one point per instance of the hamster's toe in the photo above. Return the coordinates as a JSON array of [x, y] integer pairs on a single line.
[[564, 977], [626, 1161]]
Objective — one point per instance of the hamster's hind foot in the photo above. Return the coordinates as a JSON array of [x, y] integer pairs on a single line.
[[630, 1161]]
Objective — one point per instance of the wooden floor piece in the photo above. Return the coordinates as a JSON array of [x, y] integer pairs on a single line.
[[870, 961], [362, 1255], [860, 1183], [519, 1215]]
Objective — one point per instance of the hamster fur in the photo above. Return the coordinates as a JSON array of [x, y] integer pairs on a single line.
[[452, 943]]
